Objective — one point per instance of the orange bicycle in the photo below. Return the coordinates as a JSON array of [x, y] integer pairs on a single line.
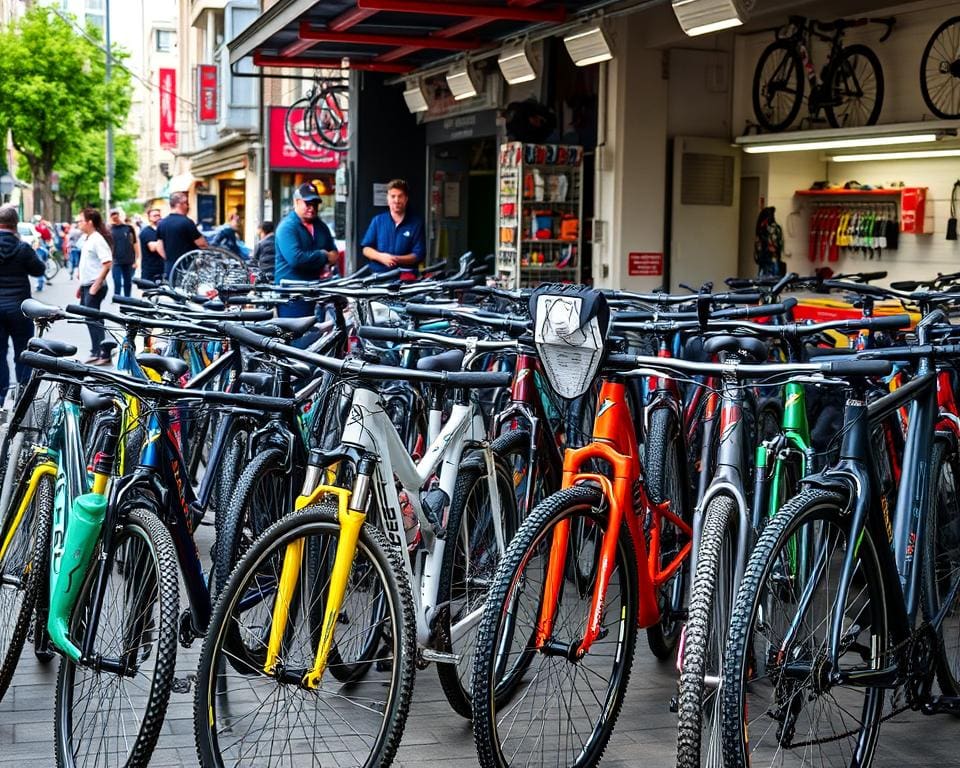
[[581, 576]]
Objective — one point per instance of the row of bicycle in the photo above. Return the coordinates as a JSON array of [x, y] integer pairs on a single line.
[[508, 485]]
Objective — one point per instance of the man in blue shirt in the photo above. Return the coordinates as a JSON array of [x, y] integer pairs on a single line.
[[304, 247], [395, 237]]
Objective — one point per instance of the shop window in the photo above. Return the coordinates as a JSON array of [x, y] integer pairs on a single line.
[[165, 40], [706, 179]]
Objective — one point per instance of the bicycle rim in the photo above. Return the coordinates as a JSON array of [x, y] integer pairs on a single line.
[[940, 71], [855, 81], [245, 717], [557, 711]]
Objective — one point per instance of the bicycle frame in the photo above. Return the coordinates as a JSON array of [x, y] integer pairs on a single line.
[[614, 442]]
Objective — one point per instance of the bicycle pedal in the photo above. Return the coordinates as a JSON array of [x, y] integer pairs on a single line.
[[440, 657], [183, 684]]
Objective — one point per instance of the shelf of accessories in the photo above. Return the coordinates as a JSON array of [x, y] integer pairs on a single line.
[[542, 200]]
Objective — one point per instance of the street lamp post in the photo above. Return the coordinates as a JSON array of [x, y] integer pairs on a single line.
[[108, 181]]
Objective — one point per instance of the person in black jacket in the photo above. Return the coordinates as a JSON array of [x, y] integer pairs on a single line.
[[18, 263], [265, 253]]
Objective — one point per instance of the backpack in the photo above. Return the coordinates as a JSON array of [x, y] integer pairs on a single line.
[[768, 244]]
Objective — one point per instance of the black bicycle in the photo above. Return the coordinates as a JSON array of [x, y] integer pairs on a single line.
[[849, 90], [940, 70]]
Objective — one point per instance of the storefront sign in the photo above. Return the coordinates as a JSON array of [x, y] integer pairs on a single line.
[[168, 109], [461, 127], [284, 155], [207, 92], [379, 195], [645, 264]]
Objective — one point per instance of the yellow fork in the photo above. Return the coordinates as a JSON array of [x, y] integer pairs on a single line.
[[351, 521]]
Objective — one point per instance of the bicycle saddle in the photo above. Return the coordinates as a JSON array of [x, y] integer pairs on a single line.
[[751, 349], [37, 310], [95, 401], [285, 327], [51, 347], [171, 366], [446, 361]]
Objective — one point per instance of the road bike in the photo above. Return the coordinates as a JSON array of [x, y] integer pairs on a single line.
[[940, 70], [849, 89]]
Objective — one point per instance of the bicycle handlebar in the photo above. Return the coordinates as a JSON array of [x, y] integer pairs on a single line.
[[842, 368], [400, 335]]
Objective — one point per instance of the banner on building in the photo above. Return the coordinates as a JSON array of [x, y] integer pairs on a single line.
[[168, 109], [284, 154], [207, 93]]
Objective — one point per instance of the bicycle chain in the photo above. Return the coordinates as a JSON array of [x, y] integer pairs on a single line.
[[913, 698]]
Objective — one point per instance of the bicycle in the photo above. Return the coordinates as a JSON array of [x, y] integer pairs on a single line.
[[849, 90], [810, 656], [317, 123], [940, 70]]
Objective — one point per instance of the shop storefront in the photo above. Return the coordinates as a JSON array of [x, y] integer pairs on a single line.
[[226, 183]]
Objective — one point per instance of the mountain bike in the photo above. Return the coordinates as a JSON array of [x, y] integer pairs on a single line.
[[940, 70], [849, 89], [810, 660], [317, 123]]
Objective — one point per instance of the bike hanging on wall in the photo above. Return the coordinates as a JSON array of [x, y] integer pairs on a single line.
[[317, 123], [848, 91], [940, 71]]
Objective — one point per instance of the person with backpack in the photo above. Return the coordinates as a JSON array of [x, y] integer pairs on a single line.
[[226, 235], [768, 245], [126, 253]]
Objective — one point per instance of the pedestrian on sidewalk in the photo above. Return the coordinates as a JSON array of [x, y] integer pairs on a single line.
[[126, 253], [18, 263], [73, 248], [96, 259], [265, 253], [226, 235], [177, 234], [151, 264]]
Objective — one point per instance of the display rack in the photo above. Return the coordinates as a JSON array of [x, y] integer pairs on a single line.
[[915, 216], [540, 213]]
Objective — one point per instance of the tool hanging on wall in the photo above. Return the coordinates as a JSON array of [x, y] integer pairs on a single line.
[[867, 228], [954, 204]]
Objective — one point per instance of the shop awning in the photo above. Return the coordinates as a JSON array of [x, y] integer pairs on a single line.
[[393, 36]]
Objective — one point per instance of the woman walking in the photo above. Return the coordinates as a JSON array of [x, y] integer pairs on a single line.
[[96, 259]]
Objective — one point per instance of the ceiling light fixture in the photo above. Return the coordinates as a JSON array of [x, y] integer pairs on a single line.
[[415, 97], [460, 81], [852, 143], [589, 46], [920, 154], [516, 66], [700, 17]]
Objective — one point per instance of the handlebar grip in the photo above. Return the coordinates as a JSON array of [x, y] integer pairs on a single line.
[[51, 364], [858, 367], [783, 282], [247, 337], [131, 301], [479, 379], [884, 322], [144, 284], [458, 285], [376, 333], [379, 277], [789, 303]]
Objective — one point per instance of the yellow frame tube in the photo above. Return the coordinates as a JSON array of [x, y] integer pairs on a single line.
[[46, 468]]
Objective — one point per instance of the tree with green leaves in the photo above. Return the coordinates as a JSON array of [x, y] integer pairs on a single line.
[[82, 170], [54, 96]]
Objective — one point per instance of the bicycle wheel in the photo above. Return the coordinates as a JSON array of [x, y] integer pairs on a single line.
[[775, 686], [855, 79], [245, 717], [940, 70], [512, 450], [23, 567], [470, 561], [941, 563], [262, 494], [50, 268], [530, 702], [666, 480], [698, 727], [778, 84], [108, 718]]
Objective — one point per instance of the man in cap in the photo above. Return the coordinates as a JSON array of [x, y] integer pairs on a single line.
[[304, 247]]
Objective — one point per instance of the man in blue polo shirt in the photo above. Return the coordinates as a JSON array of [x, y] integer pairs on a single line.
[[395, 237], [304, 247]]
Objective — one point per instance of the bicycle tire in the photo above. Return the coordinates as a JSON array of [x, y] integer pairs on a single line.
[[50, 268], [707, 619], [950, 69], [24, 568], [149, 566], [212, 694], [496, 683], [512, 449], [666, 480], [755, 648], [940, 563], [245, 517], [470, 560], [783, 118], [842, 67]]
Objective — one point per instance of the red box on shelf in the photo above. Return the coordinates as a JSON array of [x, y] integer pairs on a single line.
[[913, 208]]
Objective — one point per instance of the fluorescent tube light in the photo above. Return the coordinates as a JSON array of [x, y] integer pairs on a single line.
[[461, 83], [515, 66], [920, 154], [866, 141], [700, 17], [415, 97], [588, 47]]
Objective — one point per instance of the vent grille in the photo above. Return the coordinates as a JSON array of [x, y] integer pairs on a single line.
[[706, 179]]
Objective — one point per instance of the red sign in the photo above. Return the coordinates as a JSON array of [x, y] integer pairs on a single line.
[[168, 109], [207, 93], [645, 264], [284, 155]]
